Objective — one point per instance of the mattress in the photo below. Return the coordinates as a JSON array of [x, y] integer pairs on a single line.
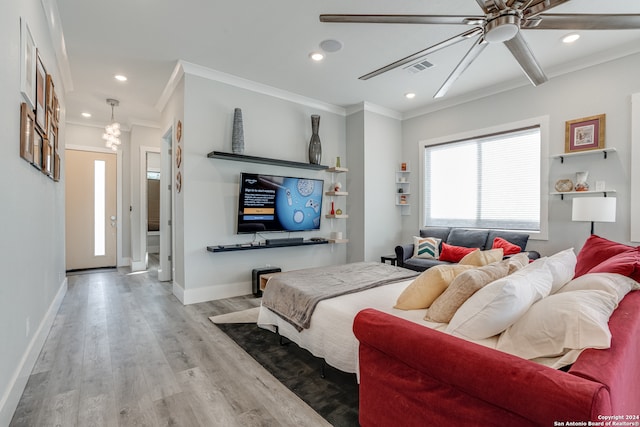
[[330, 335]]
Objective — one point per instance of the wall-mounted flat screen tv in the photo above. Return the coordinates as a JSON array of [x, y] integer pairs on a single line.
[[278, 203]]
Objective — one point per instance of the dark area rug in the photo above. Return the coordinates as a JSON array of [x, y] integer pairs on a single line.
[[334, 397]]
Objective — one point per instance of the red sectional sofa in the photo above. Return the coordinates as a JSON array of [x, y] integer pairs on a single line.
[[411, 375]]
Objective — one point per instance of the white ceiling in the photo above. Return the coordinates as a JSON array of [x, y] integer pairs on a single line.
[[269, 42]]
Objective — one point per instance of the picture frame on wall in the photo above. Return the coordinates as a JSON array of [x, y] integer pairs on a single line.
[[52, 133], [27, 129], [28, 59], [47, 157], [49, 92], [41, 94], [38, 142], [585, 134], [56, 167]]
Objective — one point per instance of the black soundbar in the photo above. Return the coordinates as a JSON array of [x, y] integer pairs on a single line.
[[284, 241]]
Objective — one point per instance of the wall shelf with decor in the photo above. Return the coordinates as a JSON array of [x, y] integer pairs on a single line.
[[581, 193], [403, 188], [263, 160], [335, 190], [602, 151]]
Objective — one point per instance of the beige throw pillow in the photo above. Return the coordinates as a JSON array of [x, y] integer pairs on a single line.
[[462, 287], [480, 258], [518, 261], [426, 247], [428, 286]]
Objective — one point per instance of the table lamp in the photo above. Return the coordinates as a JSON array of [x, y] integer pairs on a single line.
[[594, 209]]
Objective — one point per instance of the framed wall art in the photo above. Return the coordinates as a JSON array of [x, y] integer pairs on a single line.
[[28, 58], [47, 157], [41, 95], [584, 134], [56, 167], [27, 128], [38, 142]]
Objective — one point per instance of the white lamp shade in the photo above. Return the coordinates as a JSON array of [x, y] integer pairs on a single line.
[[595, 209]]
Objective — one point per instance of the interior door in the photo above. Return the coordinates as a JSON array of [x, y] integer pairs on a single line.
[[91, 222]]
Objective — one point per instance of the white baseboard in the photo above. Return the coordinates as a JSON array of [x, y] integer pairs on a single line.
[[210, 293], [16, 386]]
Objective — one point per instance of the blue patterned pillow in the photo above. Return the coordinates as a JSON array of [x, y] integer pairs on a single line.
[[426, 247]]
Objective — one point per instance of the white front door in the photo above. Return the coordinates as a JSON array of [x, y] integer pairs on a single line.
[[91, 222]]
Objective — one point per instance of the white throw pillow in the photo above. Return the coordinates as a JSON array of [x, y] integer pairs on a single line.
[[563, 268], [614, 283], [498, 305], [560, 323], [426, 247]]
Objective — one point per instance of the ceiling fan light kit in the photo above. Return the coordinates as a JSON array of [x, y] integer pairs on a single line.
[[503, 22]]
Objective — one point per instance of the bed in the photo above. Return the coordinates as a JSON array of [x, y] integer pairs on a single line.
[[330, 335]]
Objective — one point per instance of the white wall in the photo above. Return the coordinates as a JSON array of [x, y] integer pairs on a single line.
[[273, 127], [32, 216], [604, 88], [373, 147]]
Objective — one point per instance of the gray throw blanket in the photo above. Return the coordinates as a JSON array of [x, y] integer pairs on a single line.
[[294, 295]]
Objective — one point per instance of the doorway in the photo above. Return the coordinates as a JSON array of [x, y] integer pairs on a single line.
[[91, 209]]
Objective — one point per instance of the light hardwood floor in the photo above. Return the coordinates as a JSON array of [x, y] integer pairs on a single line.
[[123, 351]]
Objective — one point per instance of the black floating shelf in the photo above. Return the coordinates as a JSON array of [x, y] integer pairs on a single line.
[[247, 247], [264, 160]]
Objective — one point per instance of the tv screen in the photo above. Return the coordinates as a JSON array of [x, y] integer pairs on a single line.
[[278, 203]]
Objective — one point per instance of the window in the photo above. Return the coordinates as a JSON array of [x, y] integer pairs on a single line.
[[491, 181]]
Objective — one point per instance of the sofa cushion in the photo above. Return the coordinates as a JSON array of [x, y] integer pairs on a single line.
[[560, 323], [462, 287], [514, 237], [498, 305], [616, 284], [597, 249], [480, 258], [421, 264], [453, 253], [438, 232], [468, 238], [507, 247], [428, 286], [426, 247]]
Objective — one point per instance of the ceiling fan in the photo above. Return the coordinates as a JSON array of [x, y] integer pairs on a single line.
[[502, 21]]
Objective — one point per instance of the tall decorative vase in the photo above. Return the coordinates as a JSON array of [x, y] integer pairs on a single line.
[[315, 148], [237, 135]]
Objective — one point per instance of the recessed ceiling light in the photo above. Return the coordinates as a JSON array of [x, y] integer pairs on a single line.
[[570, 38], [86, 115], [120, 78], [316, 56], [409, 95]]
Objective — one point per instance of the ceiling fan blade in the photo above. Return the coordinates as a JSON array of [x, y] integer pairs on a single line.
[[483, 6], [403, 19], [540, 6], [574, 21], [453, 40], [521, 51], [471, 55]]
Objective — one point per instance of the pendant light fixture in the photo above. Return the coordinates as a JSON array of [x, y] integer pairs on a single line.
[[111, 133]]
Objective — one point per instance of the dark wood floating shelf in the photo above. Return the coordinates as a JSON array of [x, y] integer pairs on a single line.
[[264, 160], [248, 247]]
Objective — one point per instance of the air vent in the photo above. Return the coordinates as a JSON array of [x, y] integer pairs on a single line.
[[419, 66]]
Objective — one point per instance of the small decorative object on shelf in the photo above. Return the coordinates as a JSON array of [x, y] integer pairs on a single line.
[[338, 161], [403, 166], [337, 186], [333, 211], [338, 211], [564, 185], [400, 190], [237, 135], [315, 147], [581, 181], [403, 200]]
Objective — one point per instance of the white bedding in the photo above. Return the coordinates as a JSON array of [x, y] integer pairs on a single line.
[[330, 335]]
